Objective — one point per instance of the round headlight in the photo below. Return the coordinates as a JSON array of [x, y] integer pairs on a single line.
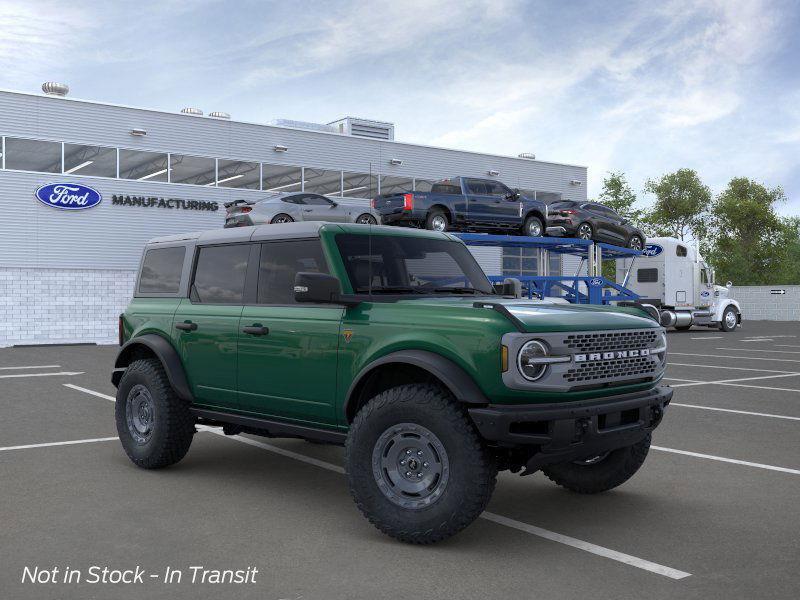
[[526, 360]]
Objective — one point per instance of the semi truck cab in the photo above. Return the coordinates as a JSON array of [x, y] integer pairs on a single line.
[[672, 276]]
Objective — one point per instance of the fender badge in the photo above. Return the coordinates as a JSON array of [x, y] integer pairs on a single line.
[[348, 335]]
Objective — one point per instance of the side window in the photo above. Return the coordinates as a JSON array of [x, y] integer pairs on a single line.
[[446, 188], [704, 276], [476, 186], [315, 200], [294, 199], [219, 274], [681, 251], [280, 262], [495, 188], [161, 270], [647, 275]]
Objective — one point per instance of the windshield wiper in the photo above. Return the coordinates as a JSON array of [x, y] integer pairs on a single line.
[[393, 289]]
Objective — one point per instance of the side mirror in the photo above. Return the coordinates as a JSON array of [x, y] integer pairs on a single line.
[[319, 288], [334, 204]]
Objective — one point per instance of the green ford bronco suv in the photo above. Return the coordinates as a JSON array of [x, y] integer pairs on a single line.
[[393, 343]]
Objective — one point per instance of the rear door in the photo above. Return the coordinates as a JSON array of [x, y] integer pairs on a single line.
[[288, 351], [480, 202], [207, 323]]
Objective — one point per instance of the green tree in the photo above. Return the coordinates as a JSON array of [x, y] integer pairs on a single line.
[[749, 243], [681, 205], [618, 195]]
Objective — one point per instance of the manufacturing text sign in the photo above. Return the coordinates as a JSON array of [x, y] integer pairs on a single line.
[[68, 196]]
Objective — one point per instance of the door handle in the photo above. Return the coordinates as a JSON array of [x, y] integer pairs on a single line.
[[308, 209], [186, 326], [256, 329]]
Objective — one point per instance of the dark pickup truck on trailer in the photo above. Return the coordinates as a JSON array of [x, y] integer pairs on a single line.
[[462, 203]]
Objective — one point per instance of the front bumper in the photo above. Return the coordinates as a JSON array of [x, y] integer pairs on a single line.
[[571, 431]]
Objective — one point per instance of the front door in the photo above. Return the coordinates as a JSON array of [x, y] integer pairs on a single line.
[[505, 206], [207, 324], [287, 351], [319, 208]]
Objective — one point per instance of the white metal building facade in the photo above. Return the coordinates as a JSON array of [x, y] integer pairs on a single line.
[[65, 275]]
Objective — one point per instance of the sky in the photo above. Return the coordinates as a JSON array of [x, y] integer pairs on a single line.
[[639, 87]]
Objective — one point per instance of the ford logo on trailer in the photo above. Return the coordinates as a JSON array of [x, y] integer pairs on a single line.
[[68, 196], [596, 282], [652, 250]]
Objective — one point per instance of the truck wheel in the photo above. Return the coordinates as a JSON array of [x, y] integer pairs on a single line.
[[437, 220], [600, 473], [729, 320], [154, 425], [282, 218], [416, 466], [533, 227]]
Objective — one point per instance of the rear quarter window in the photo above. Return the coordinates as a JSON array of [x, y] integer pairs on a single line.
[[161, 270]]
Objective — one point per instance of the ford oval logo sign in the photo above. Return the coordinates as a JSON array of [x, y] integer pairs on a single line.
[[652, 250], [68, 196], [596, 282]]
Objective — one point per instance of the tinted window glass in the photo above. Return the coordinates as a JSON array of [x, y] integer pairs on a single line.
[[238, 174], [90, 160], [33, 155], [399, 264], [316, 200], [647, 275], [197, 170], [476, 186], [280, 178], [495, 188], [161, 271], [219, 276], [280, 262], [446, 186], [144, 166], [681, 251]]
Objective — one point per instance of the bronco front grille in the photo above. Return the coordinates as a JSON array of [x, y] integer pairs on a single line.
[[612, 340], [618, 368]]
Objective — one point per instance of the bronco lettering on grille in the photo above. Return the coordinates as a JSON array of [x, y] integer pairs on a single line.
[[611, 355]]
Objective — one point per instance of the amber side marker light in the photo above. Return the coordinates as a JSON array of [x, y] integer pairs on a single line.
[[504, 358]]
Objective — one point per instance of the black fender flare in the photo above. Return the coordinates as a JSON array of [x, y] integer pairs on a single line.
[[458, 381], [535, 212], [165, 352]]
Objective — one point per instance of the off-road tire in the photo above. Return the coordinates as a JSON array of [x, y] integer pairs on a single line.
[[433, 214], [173, 424], [472, 470], [282, 218], [723, 325], [529, 223], [615, 469]]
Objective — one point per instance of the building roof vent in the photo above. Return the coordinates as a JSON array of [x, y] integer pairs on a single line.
[[219, 115], [303, 125], [192, 111], [527, 155], [51, 88], [376, 130]]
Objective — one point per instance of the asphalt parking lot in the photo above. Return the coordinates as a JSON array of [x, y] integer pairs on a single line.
[[714, 512]]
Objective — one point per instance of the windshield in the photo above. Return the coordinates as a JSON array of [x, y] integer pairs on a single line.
[[391, 264]]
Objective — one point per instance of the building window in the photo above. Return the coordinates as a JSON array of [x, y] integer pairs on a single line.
[[237, 174], [321, 181], [396, 185], [280, 178], [96, 161], [143, 166], [33, 155], [194, 170], [359, 185]]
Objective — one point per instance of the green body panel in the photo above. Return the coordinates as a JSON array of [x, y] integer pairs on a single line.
[[209, 353], [305, 367], [291, 372]]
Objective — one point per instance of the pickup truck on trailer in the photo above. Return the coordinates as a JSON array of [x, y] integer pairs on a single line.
[[465, 203], [393, 343]]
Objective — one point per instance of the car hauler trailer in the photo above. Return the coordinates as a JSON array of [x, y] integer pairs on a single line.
[[673, 277]]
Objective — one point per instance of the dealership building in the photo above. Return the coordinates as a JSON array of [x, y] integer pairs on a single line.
[[65, 275]]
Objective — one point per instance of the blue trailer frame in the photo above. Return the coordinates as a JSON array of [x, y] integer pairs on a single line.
[[598, 289]]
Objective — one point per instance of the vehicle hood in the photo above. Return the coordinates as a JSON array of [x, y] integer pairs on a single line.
[[536, 316]]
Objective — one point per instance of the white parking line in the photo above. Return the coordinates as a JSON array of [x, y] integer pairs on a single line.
[[786, 346], [708, 337], [31, 367], [759, 340], [761, 387], [739, 412], [731, 381], [672, 364], [756, 350], [791, 360], [87, 391], [727, 460], [518, 525], [49, 444], [16, 375]]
